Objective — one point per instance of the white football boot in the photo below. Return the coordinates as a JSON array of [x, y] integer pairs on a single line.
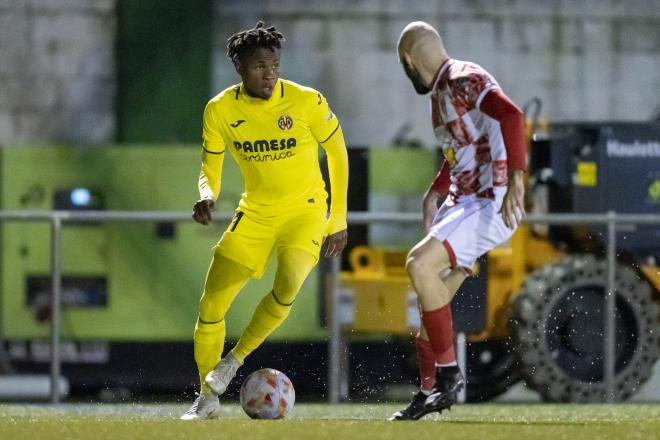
[[206, 406], [220, 377]]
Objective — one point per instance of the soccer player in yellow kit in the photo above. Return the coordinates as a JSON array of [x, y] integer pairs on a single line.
[[272, 127]]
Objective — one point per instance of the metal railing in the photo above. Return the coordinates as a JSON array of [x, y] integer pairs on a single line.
[[57, 219], [336, 346]]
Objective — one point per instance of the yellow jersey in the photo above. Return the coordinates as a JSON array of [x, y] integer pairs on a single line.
[[274, 142]]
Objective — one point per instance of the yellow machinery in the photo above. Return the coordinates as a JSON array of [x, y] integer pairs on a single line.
[[381, 292], [545, 289], [507, 268], [384, 301], [383, 297]]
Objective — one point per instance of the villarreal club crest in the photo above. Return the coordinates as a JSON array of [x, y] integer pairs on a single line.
[[285, 122]]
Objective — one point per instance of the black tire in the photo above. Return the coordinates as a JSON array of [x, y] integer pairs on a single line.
[[557, 330], [492, 367]]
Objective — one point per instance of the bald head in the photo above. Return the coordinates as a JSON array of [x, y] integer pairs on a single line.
[[421, 53]]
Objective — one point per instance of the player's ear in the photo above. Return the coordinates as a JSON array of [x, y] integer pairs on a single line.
[[405, 59], [238, 66]]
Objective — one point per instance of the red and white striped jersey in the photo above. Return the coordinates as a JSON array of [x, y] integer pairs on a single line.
[[479, 130]]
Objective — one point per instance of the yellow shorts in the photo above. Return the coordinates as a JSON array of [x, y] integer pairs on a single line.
[[251, 238]]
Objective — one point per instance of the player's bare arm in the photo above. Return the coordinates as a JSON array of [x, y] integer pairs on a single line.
[[203, 211], [513, 205]]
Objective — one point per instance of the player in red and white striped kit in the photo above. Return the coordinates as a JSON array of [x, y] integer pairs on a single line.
[[481, 132]]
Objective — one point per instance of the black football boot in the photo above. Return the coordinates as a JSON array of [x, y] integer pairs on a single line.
[[414, 411], [448, 382]]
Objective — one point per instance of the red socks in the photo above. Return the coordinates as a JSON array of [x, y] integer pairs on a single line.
[[439, 326], [439, 349], [425, 363], [447, 358]]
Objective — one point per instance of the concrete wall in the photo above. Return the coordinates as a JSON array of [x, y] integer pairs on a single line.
[[57, 71], [586, 60]]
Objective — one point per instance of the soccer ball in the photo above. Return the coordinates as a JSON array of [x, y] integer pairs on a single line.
[[267, 394]]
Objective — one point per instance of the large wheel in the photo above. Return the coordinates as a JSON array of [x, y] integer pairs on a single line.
[[557, 329], [492, 368]]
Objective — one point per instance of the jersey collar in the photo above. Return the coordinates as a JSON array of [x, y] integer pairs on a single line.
[[439, 73]]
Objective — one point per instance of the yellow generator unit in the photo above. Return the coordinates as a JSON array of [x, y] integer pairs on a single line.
[[380, 292]]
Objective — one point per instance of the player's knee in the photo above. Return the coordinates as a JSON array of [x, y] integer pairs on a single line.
[[416, 265], [294, 266], [286, 292], [444, 297], [287, 286], [212, 308]]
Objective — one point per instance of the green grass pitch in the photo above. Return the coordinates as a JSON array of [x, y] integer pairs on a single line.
[[335, 422]]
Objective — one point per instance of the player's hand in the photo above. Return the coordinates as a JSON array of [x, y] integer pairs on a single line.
[[429, 208], [513, 205], [336, 243], [203, 211]]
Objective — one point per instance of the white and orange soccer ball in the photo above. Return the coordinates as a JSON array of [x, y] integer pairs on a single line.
[[267, 394]]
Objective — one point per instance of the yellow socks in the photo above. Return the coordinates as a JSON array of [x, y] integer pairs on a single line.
[[224, 280], [269, 314], [209, 342], [293, 267]]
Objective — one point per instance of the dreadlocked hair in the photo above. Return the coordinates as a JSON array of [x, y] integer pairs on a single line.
[[247, 41]]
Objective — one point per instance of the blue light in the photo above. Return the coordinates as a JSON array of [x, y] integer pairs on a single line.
[[80, 196]]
